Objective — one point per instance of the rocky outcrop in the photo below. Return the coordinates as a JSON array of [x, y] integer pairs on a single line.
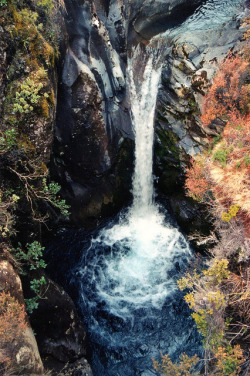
[[188, 70], [149, 18], [93, 103], [60, 334], [59, 330], [93, 118], [22, 351]]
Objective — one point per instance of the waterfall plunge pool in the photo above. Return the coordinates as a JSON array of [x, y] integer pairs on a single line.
[[123, 275], [125, 281]]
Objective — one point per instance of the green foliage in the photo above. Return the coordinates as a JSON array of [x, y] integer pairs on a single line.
[[8, 203], [7, 140], [229, 360], [212, 336], [221, 155], [216, 139], [47, 5], [28, 95], [32, 257], [31, 304], [3, 3], [51, 190], [184, 368], [35, 286], [247, 160]]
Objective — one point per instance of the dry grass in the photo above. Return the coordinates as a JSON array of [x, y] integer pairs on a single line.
[[232, 184]]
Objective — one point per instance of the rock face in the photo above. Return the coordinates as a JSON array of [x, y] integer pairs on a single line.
[[188, 69], [59, 330], [60, 334], [23, 352], [93, 104], [92, 112], [187, 73]]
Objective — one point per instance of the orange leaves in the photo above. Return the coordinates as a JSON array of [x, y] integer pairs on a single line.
[[12, 325], [185, 367], [228, 165], [228, 92], [229, 360], [12, 319], [197, 184]]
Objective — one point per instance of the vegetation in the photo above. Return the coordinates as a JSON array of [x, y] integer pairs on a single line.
[[218, 293], [184, 368], [31, 258], [28, 110], [29, 198], [12, 325]]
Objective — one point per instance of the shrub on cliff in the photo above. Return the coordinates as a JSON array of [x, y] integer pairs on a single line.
[[219, 177], [12, 325], [223, 171], [26, 119]]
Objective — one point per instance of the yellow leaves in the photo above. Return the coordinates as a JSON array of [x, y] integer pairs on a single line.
[[188, 281], [217, 298], [189, 298], [218, 271], [15, 198], [227, 216], [185, 366]]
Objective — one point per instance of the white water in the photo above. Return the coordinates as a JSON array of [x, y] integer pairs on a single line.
[[136, 273], [144, 72]]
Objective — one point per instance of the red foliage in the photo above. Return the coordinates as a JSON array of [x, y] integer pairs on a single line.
[[228, 92], [197, 184], [12, 319]]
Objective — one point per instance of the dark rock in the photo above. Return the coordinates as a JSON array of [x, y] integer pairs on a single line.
[[77, 368], [60, 334]]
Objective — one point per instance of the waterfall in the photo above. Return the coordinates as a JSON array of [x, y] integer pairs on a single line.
[[143, 247], [144, 71], [127, 275]]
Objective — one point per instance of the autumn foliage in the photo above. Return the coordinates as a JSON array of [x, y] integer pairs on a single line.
[[228, 93], [224, 170], [197, 184], [219, 177], [12, 324]]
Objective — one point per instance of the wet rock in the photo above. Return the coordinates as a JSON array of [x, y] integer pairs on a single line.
[[23, 352]]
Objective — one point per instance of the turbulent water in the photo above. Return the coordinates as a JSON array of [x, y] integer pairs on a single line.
[[127, 276]]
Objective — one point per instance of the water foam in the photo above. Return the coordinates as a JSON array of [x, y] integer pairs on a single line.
[[135, 271]]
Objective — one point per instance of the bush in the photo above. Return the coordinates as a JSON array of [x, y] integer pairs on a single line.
[[12, 319], [229, 360], [184, 368]]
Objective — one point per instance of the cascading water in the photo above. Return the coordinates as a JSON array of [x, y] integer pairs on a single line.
[[126, 279], [144, 70], [127, 276]]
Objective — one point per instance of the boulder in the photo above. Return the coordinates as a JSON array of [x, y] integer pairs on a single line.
[[59, 330], [23, 351]]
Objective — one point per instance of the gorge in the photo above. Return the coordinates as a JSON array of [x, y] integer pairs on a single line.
[[126, 276], [115, 121]]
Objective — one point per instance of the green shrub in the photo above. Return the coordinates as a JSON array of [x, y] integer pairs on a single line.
[[32, 257]]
